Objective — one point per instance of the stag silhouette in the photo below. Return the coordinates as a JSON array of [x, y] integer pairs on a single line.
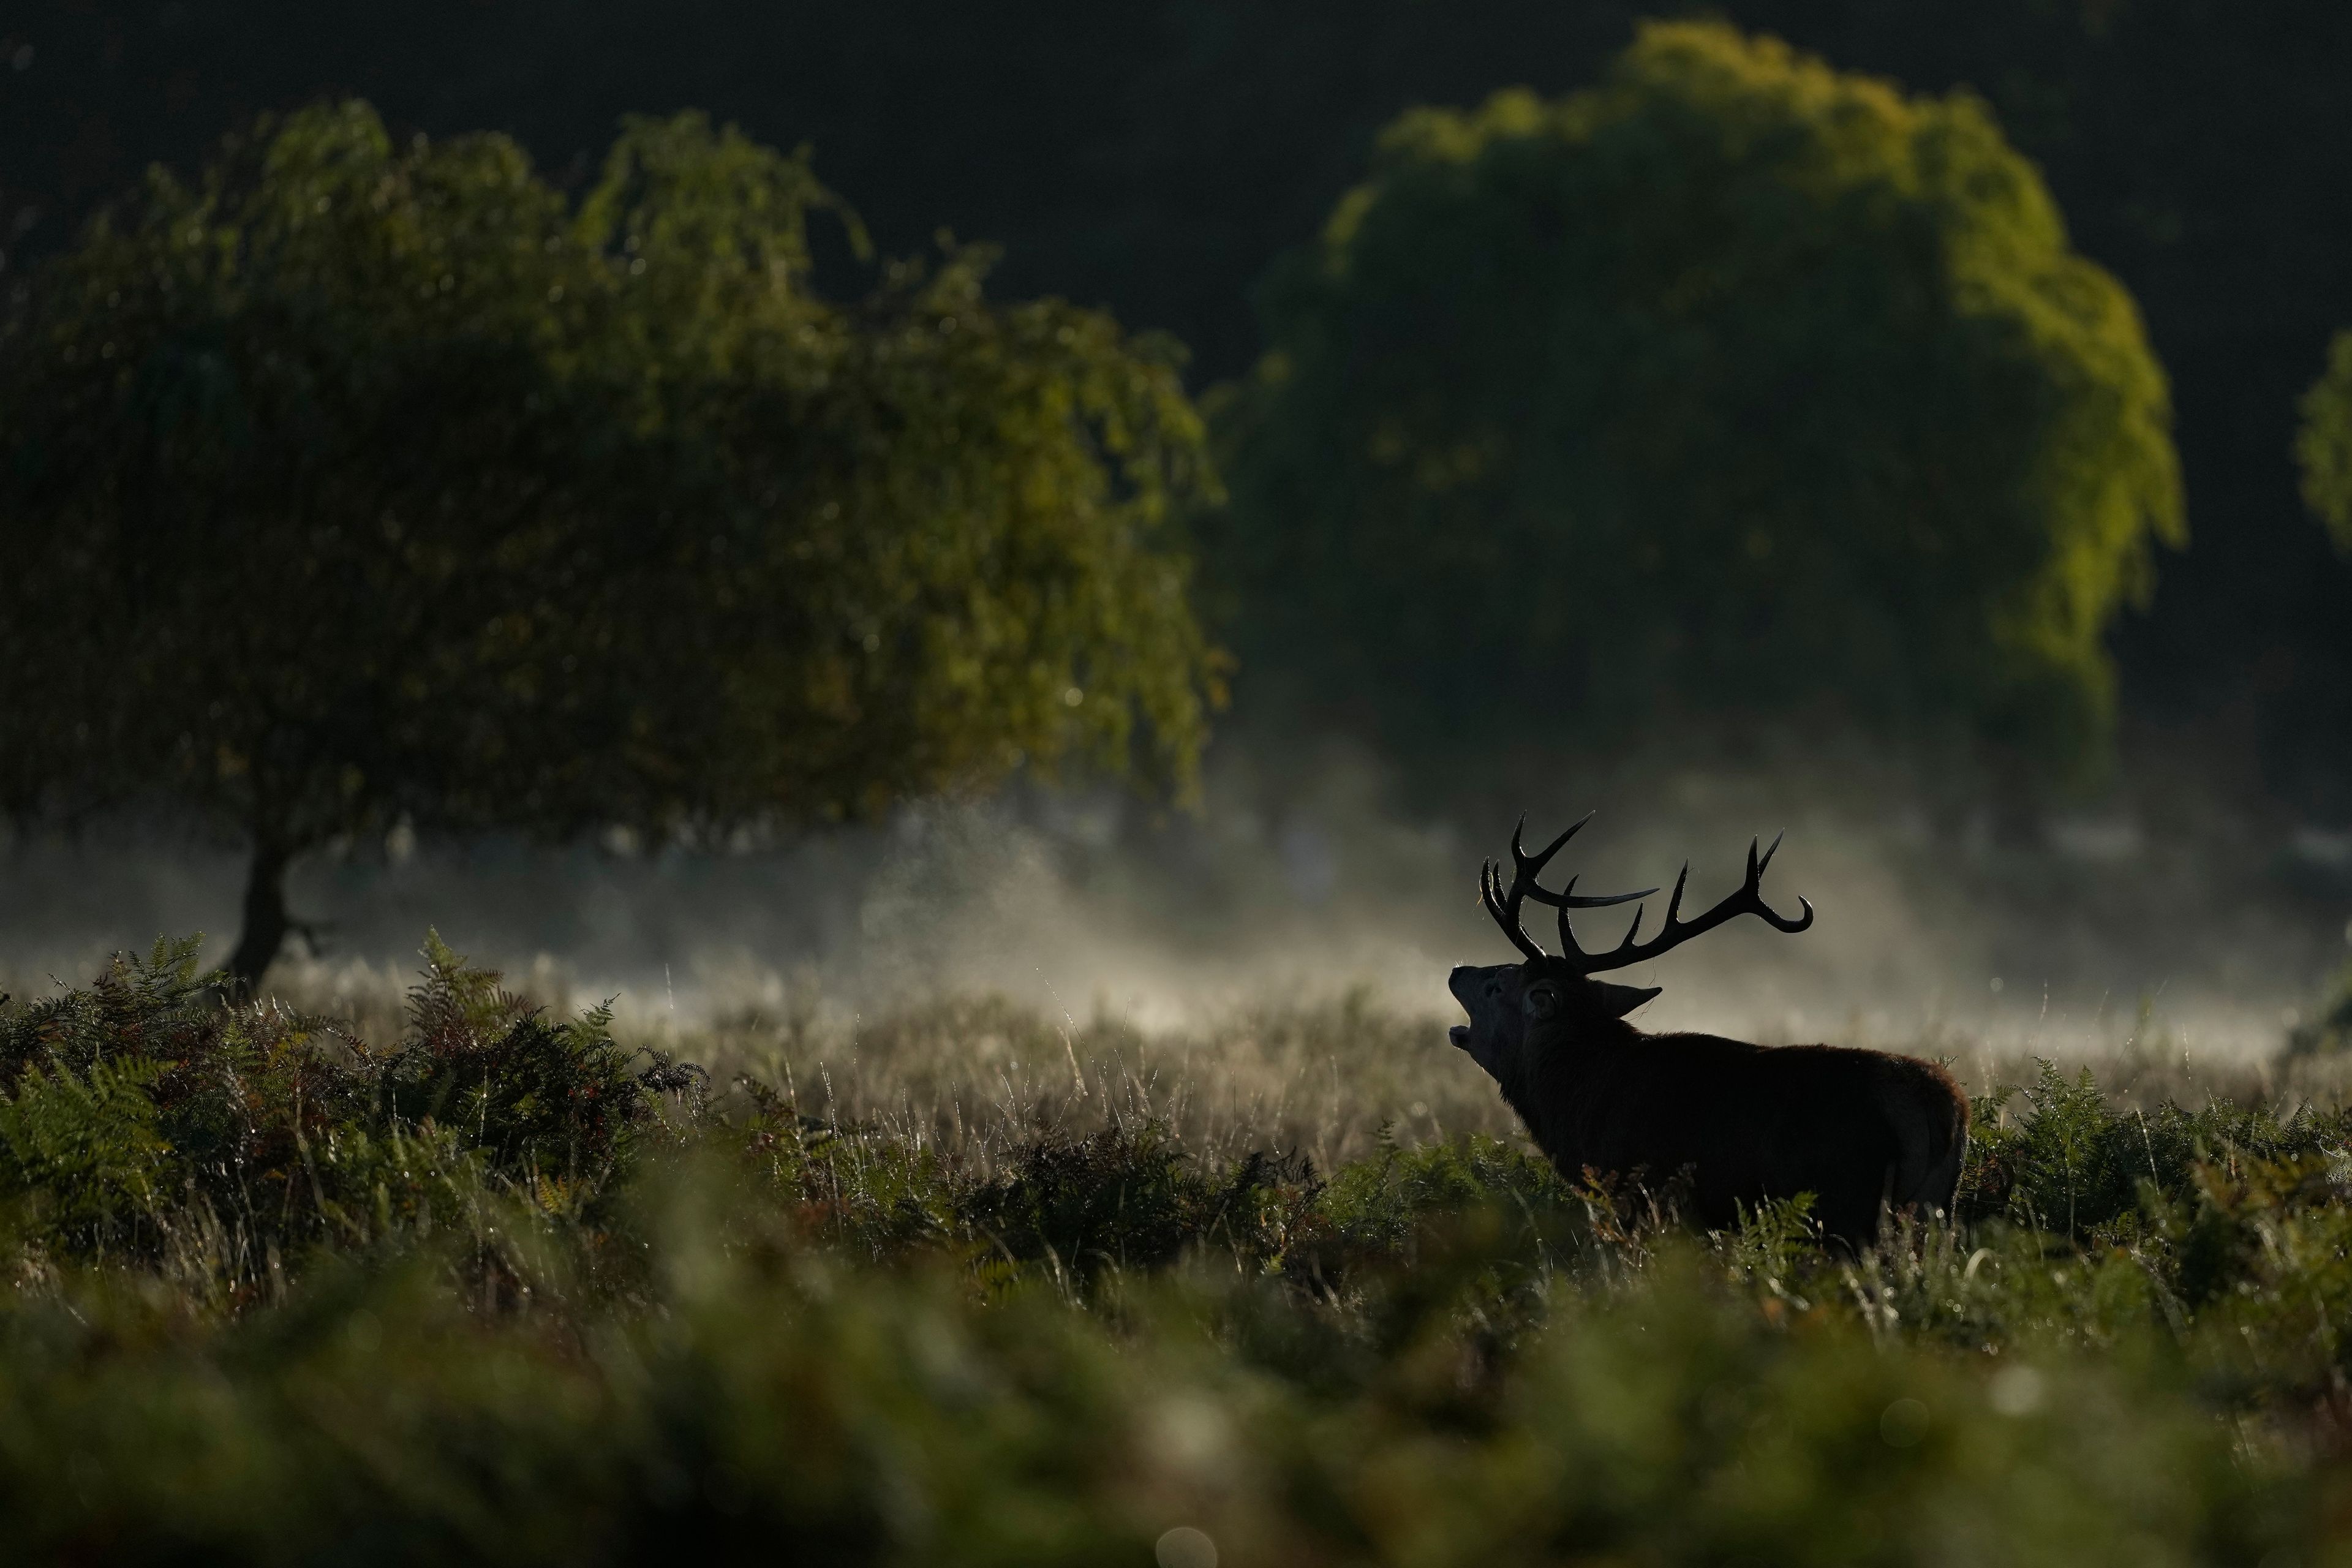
[[1866, 1132]]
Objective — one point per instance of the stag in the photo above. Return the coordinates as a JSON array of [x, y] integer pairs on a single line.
[[1866, 1132]]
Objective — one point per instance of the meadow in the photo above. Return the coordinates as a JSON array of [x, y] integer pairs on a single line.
[[481, 501], [977, 1284]]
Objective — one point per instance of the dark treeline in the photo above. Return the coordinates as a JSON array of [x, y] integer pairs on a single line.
[[1157, 158]]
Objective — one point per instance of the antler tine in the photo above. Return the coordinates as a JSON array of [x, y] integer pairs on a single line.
[[1613, 959], [1568, 947], [1504, 906], [1490, 888], [1755, 888], [1566, 897], [1531, 866], [1748, 899], [1568, 939], [1505, 903]]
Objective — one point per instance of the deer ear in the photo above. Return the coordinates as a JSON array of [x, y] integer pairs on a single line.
[[1619, 1000]]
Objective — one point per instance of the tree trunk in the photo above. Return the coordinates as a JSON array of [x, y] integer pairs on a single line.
[[265, 920]]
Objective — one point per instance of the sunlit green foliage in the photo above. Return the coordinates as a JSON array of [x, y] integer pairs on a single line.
[[2323, 444], [2070, 1166], [1730, 386], [362, 482]]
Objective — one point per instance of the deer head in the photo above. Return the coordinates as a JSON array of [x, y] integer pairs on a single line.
[[1520, 1012]]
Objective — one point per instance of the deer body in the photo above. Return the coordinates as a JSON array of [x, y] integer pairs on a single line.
[[1864, 1131]]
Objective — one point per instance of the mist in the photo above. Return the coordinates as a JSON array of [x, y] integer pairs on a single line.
[[2159, 920]]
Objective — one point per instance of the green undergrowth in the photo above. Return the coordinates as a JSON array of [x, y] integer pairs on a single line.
[[504, 1289]]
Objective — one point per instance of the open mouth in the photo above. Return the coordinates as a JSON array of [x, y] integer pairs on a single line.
[[1460, 1036]]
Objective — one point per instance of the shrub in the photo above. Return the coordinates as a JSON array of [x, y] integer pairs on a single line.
[[141, 1109]]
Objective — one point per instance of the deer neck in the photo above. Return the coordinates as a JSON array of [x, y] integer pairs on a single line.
[[1562, 1079]]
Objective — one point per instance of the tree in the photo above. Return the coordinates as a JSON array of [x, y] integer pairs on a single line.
[[2323, 445], [363, 481], [1733, 385], [1156, 157]]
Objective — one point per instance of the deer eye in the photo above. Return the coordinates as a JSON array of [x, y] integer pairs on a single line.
[[1542, 1002]]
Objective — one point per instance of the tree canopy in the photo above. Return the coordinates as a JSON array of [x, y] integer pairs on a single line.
[[1154, 158], [361, 481], [1733, 382]]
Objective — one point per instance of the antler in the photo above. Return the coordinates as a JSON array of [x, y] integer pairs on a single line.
[[1504, 905], [1747, 900]]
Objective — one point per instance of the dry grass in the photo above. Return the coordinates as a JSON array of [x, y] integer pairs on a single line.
[[973, 1076], [1330, 1081]]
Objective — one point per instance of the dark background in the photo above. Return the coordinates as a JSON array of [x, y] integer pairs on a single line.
[[1154, 157]]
